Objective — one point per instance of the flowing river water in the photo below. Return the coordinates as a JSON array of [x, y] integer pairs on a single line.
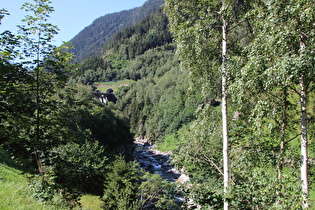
[[155, 161]]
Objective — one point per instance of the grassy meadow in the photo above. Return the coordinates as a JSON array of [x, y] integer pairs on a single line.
[[115, 85]]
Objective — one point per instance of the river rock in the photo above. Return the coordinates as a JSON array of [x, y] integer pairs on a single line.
[[156, 161]]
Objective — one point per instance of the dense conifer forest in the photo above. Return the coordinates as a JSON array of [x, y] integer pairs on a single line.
[[226, 87], [92, 38]]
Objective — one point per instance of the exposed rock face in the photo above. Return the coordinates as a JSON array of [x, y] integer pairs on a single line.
[[155, 161]]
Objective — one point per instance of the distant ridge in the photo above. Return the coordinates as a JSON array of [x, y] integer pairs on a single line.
[[92, 38]]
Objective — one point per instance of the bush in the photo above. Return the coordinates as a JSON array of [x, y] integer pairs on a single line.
[[154, 192], [47, 191], [121, 185], [128, 187], [80, 168]]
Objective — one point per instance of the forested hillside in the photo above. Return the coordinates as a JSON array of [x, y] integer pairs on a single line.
[[69, 143], [157, 104], [65, 141], [92, 38], [226, 87]]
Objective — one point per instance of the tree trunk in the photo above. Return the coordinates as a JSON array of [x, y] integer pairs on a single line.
[[283, 131], [224, 113], [38, 108], [304, 144]]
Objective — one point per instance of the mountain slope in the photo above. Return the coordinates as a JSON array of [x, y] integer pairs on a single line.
[[90, 40], [157, 102]]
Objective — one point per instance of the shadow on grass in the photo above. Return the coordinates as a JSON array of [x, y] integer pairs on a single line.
[[24, 165]]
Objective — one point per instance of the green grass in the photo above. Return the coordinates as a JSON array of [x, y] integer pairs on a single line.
[[91, 202], [14, 191], [115, 85], [170, 143], [16, 195]]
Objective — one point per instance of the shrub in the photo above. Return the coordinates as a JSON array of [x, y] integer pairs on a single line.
[[121, 185], [128, 187], [47, 191], [80, 168]]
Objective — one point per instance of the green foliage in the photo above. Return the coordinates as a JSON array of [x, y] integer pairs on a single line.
[[91, 40], [109, 129], [155, 192], [159, 106], [199, 153], [149, 33], [45, 68], [8, 45], [266, 75], [85, 116], [259, 188], [169, 143], [61, 129], [117, 60], [16, 194], [207, 194], [120, 187], [36, 32], [37, 115], [279, 58], [255, 183], [80, 167], [199, 149], [46, 190], [72, 136], [15, 86], [115, 85], [127, 187]]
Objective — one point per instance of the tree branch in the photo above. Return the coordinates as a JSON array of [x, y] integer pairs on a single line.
[[237, 24], [292, 138], [211, 161], [294, 89], [273, 95]]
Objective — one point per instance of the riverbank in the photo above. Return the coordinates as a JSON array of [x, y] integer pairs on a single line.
[[155, 161]]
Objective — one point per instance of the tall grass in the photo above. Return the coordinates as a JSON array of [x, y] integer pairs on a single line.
[[15, 193]]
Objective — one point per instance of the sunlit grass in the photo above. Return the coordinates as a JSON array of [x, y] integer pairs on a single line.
[[91, 202], [115, 85], [170, 143], [14, 191]]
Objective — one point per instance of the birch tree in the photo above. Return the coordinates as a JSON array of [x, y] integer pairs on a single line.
[[282, 58], [201, 29], [226, 173]]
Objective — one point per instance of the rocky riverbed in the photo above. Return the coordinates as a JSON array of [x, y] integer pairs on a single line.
[[158, 162]]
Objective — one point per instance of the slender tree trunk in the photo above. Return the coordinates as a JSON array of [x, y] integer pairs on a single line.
[[224, 113], [303, 125], [282, 142], [38, 108], [38, 137], [304, 144], [283, 131]]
